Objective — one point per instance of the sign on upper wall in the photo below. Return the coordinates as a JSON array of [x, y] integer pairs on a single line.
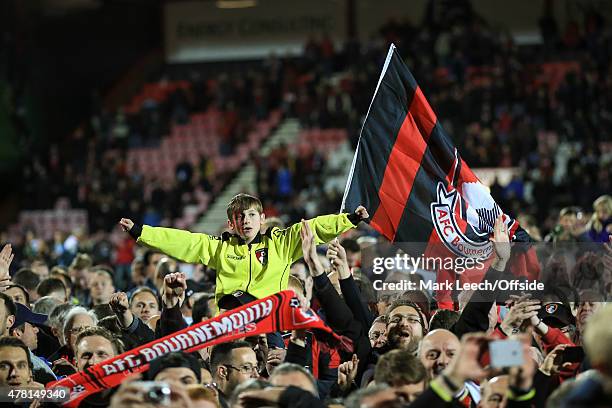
[[203, 31]]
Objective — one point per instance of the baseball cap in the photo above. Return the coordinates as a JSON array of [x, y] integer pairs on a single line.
[[236, 299], [25, 315], [556, 314], [193, 287]]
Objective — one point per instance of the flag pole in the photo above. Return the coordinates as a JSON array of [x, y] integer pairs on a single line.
[[351, 171]]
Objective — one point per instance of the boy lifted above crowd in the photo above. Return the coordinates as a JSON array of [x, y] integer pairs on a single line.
[[245, 259]]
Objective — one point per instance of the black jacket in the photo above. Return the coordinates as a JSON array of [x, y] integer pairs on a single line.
[[475, 315], [340, 318], [342, 321], [137, 334], [354, 300], [170, 321]]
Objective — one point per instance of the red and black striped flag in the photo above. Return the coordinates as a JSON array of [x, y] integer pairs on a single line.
[[409, 175]]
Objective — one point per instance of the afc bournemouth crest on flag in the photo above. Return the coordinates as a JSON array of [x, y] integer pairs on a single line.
[[262, 255], [444, 214]]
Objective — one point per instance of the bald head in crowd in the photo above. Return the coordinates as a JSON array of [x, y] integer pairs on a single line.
[[436, 351], [288, 374], [493, 392]]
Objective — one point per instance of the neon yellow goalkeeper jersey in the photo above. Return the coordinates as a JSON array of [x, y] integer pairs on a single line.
[[260, 268]]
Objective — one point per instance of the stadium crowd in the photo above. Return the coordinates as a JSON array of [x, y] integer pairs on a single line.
[[405, 350], [72, 302]]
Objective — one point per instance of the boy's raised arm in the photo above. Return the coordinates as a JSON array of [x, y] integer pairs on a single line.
[[182, 245], [324, 228]]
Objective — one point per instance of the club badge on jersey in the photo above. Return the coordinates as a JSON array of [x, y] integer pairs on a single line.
[[262, 255]]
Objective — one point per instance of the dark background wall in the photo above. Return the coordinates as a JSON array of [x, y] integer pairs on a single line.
[[52, 62]]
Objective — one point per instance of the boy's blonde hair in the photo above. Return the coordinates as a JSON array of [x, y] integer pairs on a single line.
[[242, 202]]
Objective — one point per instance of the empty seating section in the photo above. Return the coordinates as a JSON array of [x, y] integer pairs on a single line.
[[323, 141], [45, 222], [193, 141]]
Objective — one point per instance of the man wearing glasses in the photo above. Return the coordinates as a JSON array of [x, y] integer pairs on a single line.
[[378, 332], [405, 327], [232, 364]]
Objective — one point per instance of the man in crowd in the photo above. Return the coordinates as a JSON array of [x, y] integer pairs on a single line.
[[288, 374], [23, 329], [133, 329], [101, 286], [590, 302], [61, 273], [18, 293], [151, 258], [598, 345], [232, 364], [144, 303], [405, 326], [76, 319], [53, 287], [94, 345], [79, 274], [300, 271], [16, 368], [569, 227], [380, 395], [45, 305], [436, 351], [378, 332], [29, 281], [56, 321], [403, 372], [7, 314], [494, 392], [17, 321], [176, 367]]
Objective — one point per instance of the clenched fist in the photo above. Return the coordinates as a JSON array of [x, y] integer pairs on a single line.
[[120, 305], [126, 224], [362, 212], [173, 289], [119, 302]]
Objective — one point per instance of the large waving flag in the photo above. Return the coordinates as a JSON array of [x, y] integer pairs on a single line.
[[409, 175]]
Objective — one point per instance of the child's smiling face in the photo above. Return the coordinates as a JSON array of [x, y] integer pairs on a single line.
[[247, 224]]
